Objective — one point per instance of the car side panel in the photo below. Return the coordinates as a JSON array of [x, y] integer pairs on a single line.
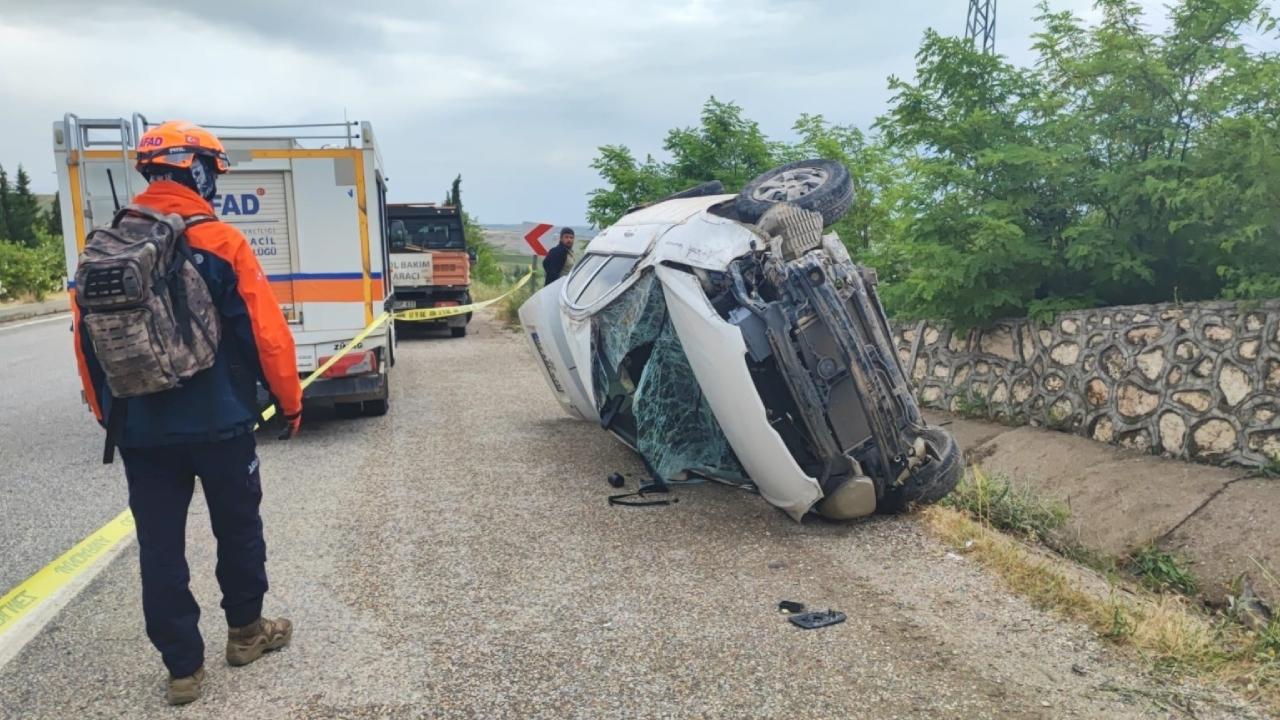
[[716, 352], [545, 331]]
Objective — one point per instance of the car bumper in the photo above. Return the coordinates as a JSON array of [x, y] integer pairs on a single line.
[[343, 390]]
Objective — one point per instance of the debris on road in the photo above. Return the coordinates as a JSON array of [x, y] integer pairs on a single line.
[[819, 619], [790, 607]]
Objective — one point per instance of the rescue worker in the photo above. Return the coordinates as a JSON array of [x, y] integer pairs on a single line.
[[203, 428], [559, 257]]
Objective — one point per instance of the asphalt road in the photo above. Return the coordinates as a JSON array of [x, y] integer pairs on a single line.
[[54, 489], [457, 558]]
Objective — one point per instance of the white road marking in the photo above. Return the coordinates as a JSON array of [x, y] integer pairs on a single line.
[[29, 626], [59, 316]]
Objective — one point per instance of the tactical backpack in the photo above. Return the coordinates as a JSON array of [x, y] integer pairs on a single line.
[[147, 310]]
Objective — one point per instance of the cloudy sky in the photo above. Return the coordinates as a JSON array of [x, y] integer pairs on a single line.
[[515, 96]]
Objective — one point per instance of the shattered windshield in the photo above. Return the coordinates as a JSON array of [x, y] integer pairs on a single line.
[[648, 393]]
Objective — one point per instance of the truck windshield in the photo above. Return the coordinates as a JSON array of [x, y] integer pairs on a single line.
[[427, 233]]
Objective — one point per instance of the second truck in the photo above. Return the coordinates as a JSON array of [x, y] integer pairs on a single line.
[[430, 261]]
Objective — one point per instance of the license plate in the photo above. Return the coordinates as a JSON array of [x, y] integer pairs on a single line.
[[403, 305]]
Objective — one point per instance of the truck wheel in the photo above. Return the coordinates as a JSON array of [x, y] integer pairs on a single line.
[[823, 186], [379, 407], [458, 331], [932, 481]]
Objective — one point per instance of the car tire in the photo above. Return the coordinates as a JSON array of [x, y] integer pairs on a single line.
[[931, 482], [458, 331], [822, 186]]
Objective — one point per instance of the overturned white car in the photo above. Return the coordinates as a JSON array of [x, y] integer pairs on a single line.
[[726, 337]]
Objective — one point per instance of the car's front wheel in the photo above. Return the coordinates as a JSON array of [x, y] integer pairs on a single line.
[[931, 481]]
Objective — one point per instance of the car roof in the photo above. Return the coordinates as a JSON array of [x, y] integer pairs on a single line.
[[671, 212], [635, 232]]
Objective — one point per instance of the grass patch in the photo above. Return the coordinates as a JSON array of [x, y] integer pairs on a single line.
[[987, 518], [1272, 468], [994, 501], [1160, 571], [973, 406], [507, 310]]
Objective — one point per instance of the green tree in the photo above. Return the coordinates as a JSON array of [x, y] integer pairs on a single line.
[[1125, 166], [53, 216], [455, 193], [6, 193], [725, 146], [629, 184], [23, 211]]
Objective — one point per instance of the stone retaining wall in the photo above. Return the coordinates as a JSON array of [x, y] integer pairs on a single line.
[[1199, 381]]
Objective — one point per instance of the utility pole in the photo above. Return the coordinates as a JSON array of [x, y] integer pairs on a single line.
[[980, 27]]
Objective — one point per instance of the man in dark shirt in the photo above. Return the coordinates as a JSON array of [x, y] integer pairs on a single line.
[[553, 265]]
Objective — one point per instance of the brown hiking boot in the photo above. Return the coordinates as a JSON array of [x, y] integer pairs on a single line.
[[246, 644], [185, 689]]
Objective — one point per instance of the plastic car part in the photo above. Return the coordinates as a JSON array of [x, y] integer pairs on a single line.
[[790, 607], [799, 229], [616, 480], [641, 499], [853, 498], [823, 186], [815, 620]]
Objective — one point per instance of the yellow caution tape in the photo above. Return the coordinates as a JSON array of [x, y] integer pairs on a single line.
[[412, 315], [442, 312], [39, 588]]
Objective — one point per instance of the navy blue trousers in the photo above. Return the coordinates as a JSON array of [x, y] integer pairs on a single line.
[[161, 482]]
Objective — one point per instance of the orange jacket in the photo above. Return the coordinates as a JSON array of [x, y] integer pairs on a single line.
[[256, 337]]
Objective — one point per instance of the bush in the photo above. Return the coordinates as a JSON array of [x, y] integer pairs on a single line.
[[31, 271]]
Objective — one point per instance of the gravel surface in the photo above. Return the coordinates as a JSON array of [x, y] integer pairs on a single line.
[[457, 558]]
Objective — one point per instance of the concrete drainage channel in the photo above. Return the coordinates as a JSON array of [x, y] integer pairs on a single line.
[[1123, 501]]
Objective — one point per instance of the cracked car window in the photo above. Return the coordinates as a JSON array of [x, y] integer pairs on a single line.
[[641, 367]]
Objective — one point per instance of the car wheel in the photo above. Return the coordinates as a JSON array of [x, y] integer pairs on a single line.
[[930, 482], [458, 331], [822, 186]]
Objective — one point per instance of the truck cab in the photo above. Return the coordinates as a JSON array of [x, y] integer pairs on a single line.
[[430, 261]]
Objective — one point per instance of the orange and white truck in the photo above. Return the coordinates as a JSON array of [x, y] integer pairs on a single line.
[[430, 260], [311, 199]]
